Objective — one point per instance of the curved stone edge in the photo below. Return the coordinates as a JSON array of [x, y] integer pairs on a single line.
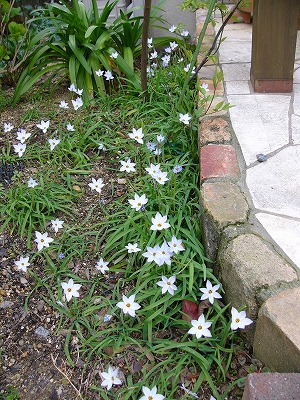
[[252, 272]]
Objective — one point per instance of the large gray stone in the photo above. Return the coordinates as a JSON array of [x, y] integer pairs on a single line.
[[277, 336], [247, 265]]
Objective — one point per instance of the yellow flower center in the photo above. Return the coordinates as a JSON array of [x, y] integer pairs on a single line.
[[128, 305], [199, 327], [159, 225], [69, 290], [169, 283], [237, 320], [210, 291]]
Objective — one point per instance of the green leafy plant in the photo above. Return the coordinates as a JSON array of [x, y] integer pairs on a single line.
[[78, 44]]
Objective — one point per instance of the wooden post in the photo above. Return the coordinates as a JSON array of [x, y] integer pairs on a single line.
[[273, 45]]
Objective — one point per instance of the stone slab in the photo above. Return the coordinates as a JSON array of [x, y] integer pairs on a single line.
[[279, 317], [272, 386], [224, 202], [248, 264], [236, 72], [237, 87], [218, 161], [295, 129], [275, 183], [214, 130], [285, 232]]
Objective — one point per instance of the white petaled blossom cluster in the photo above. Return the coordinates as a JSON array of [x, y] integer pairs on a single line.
[[156, 173]]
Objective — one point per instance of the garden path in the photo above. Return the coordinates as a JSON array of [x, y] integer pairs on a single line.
[[267, 124]]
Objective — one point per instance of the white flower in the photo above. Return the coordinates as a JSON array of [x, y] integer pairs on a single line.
[[110, 378], [157, 151], [22, 263], [173, 28], [151, 146], [127, 166], [205, 86], [114, 55], [128, 306], [101, 146], [189, 391], [70, 127], [77, 103], [151, 394], [22, 135], [185, 118], [210, 292], [184, 33], [96, 184], [177, 169], [107, 317], [99, 72], [31, 183], [137, 134], [239, 319], [53, 143], [166, 59], [102, 266], [70, 289], [200, 327], [153, 254], [150, 42], [72, 88], [180, 60], [165, 254], [7, 127], [173, 45], [167, 284], [63, 104], [108, 75], [187, 68], [159, 222], [160, 138], [150, 71], [56, 224], [44, 125], [176, 245], [168, 50], [138, 202], [161, 177], [153, 55], [132, 248], [42, 240], [20, 148], [153, 170]]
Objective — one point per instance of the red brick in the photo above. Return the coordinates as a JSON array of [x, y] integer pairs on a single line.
[[272, 386], [217, 161], [215, 130]]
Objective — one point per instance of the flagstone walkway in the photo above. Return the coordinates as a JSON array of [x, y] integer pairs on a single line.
[[266, 124]]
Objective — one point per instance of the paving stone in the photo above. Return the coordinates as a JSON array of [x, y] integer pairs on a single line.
[[236, 72], [246, 265], [272, 386], [214, 130], [238, 87], [295, 129], [273, 184], [235, 51], [285, 232], [218, 161], [278, 324]]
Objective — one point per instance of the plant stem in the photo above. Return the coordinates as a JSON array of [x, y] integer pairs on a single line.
[[144, 55]]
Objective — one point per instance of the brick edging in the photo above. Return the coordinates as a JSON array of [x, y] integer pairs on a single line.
[[252, 272]]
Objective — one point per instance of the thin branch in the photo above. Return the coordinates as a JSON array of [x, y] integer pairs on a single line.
[[220, 31], [66, 376]]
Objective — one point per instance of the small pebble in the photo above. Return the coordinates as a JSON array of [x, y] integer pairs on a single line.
[[261, 157], [121, 181], [6, 304], [41, 331]]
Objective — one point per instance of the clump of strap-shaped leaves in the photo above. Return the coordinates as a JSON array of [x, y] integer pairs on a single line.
[[78, 43]]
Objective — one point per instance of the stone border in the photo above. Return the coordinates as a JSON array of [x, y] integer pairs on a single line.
[[253, 273]]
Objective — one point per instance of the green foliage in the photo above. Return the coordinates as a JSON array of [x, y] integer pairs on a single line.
[[26, 209], [10, 394], [78, 43], [13, 38]]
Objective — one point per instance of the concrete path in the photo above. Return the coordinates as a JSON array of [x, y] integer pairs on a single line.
[[267, 124]]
